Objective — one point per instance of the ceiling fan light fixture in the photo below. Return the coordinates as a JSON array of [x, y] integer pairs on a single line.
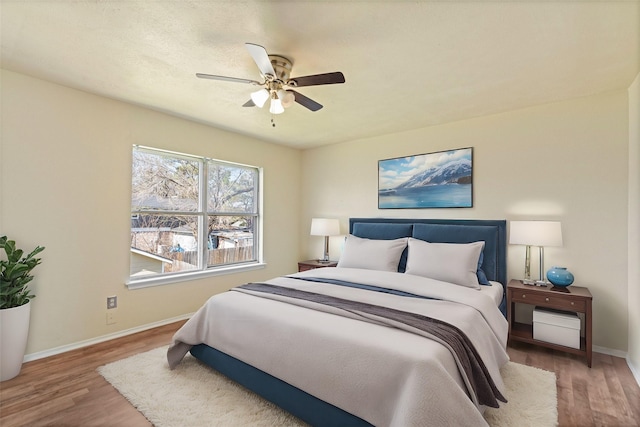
[[259, 97], [276, 71], [286, 97], [276, 106]]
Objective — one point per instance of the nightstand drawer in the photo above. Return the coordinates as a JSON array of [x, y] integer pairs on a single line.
[[561, 302]]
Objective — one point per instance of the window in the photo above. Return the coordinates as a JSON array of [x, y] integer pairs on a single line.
[[191, 214]]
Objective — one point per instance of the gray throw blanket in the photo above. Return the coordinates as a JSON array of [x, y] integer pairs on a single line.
[[480, 382]]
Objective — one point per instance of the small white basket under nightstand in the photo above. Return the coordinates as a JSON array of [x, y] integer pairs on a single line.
[[557, 327]]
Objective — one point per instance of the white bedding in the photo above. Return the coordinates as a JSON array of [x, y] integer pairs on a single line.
[[496, 291], [384, 375]]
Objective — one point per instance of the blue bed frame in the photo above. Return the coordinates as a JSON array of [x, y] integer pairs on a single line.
[[320, 413]]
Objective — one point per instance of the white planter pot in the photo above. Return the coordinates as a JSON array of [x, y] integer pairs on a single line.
[[14, 330]]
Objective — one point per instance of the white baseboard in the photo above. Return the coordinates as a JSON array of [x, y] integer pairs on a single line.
[[610, 351], [635, 370], [103, 338]]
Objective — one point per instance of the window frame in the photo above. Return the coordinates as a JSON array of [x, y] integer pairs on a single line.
[[202, 215]]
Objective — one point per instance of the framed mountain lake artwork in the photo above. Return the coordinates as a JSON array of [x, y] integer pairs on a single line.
[[435, 180]]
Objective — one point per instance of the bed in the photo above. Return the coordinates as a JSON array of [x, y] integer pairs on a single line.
[[368, 343]]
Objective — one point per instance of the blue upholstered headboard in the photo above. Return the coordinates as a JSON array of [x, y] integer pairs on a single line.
[[492, 232]]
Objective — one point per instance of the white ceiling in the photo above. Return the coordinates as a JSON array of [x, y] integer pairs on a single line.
[[407, 64]]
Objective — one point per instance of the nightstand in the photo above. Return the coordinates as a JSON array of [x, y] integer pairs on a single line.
[[576, 299], [314, 263]]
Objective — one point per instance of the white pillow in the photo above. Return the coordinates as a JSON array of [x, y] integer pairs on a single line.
[[372, 254], [450, 262]]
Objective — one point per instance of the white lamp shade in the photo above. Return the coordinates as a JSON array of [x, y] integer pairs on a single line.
[[535, 233], [287, 98], [259, 97], [325, 227], [276, 106]]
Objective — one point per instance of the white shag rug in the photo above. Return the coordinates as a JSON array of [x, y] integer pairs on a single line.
[[196, 395]]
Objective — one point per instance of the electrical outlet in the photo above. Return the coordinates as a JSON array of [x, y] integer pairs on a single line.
[[111, 317], [112, 302]]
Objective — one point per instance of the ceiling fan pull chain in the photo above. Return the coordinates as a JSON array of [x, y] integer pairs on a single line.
[[273, 123]]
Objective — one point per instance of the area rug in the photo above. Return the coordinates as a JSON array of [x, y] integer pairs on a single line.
[[195, 395]]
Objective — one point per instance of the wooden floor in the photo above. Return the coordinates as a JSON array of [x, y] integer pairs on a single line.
[[605, 395], [66, 390]]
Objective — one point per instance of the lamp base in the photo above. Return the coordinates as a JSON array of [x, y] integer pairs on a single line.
[[533, 282]]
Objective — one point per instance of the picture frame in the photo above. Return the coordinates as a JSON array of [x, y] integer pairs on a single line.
[[442, 179]]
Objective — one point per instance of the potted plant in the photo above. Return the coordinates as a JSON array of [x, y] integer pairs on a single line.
[[15, 308]]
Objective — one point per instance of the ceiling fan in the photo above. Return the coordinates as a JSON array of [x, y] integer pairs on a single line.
[[277, 85]]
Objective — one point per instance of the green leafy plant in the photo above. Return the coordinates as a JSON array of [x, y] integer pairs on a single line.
[[14, 274]]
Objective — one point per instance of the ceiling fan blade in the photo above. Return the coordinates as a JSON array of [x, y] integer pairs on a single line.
[[249, 103], [261, 57], [317, 79], [306, 102], [227, 79]]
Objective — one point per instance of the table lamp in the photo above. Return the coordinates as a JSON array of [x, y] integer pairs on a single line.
[[325, 227], [535, 233]]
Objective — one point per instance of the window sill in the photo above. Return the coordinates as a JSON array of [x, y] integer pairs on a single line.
[[192, 275]]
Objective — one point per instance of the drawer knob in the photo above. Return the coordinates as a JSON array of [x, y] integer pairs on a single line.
[[572, 302], [546, 299], [524, 295]]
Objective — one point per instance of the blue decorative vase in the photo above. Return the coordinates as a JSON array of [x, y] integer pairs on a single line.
[[560, 276]]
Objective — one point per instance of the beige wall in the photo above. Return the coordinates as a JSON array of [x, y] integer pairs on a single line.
[[66, 177], [634, 227], [565, 161]]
